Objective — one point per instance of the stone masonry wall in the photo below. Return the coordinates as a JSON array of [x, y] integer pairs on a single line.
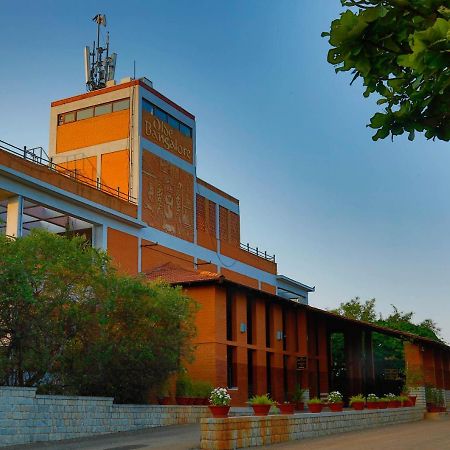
[[238, 432], [26, 417]]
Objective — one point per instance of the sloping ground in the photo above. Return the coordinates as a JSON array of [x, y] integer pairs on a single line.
[[175, 437], [423, 435]]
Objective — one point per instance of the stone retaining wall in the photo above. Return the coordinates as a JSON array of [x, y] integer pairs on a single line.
[[26, 417], [239, 432]]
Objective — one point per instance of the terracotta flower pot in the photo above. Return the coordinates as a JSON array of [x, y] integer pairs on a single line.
[[413, 399], [299, 406], [407, 403], [358, 406], [198, 401], [372, 405], [164, 400], [382, 404], [205, 401], [315, 407], [219, 412], [394, 404], [182, 400], [336, 407], [261, 410], [286, 408]]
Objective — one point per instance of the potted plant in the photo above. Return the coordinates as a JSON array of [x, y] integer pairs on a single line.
[[219, 400], [393, 401], [286, 408], [261, 404], [297, 398], [183, 390], [357, 402], [405, 401], [372, 401], [334, 401], [434, 399], [204, 389], [413, 380], [315, 405], [383, 402], [163, 396]]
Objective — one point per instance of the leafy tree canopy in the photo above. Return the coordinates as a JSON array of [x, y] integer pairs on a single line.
[[396, 320], [401, 51], [70, 323]]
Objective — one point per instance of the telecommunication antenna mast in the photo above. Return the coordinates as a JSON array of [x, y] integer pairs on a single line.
[[99, 68]]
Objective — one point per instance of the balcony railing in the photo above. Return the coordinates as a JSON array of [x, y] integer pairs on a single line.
[[257, 252], [38, 156]]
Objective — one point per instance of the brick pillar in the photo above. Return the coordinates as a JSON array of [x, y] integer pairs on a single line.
[[369, 365], [446, 367], [302, 326], [429, 366], [414, 365], [323, 357], [353, 361]]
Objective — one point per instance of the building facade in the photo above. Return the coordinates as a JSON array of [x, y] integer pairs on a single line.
[[121, 169]]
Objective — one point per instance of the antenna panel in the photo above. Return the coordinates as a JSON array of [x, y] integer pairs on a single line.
[[112, 67], [87, 68]]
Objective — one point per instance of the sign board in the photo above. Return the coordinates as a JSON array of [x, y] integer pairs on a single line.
[[302, 363]]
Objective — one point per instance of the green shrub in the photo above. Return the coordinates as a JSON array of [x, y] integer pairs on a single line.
[[314, 401], [261, 400], [357, 399], [184, 386], [298, 394]]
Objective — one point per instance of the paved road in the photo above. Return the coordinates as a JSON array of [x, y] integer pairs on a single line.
[[424, 435], [177, 437]]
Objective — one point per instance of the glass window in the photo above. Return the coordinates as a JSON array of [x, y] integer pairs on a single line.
[[69, 117], [187, 131], [147, 106], [120, 105], [85, 113], [174, 123], [160, 114], [103, 109]]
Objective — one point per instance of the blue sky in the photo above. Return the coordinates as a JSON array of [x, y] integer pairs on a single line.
[[276, 127]]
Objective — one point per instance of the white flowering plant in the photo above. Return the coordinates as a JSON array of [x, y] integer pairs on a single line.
[[391, 396], [372, 398], [219, 397], [335, 397]]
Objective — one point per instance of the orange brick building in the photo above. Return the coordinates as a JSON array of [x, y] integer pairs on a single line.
[[121, 169]]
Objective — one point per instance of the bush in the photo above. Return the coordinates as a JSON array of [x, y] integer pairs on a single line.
[[184, 386], [314, 401], [357, 399], [261, 400], [72, 324], [298, 394]]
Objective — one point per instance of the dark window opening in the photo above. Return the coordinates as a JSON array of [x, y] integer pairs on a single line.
[[269, 372], [231, 367], [283, 327], [250, 372], [250, 306], [268, 326], [230, 315], [285, 376]]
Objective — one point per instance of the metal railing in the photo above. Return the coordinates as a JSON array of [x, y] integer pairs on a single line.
[[39, 156], [257, 252]]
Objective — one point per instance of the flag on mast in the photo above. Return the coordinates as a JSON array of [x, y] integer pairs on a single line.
[[100, 19]]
